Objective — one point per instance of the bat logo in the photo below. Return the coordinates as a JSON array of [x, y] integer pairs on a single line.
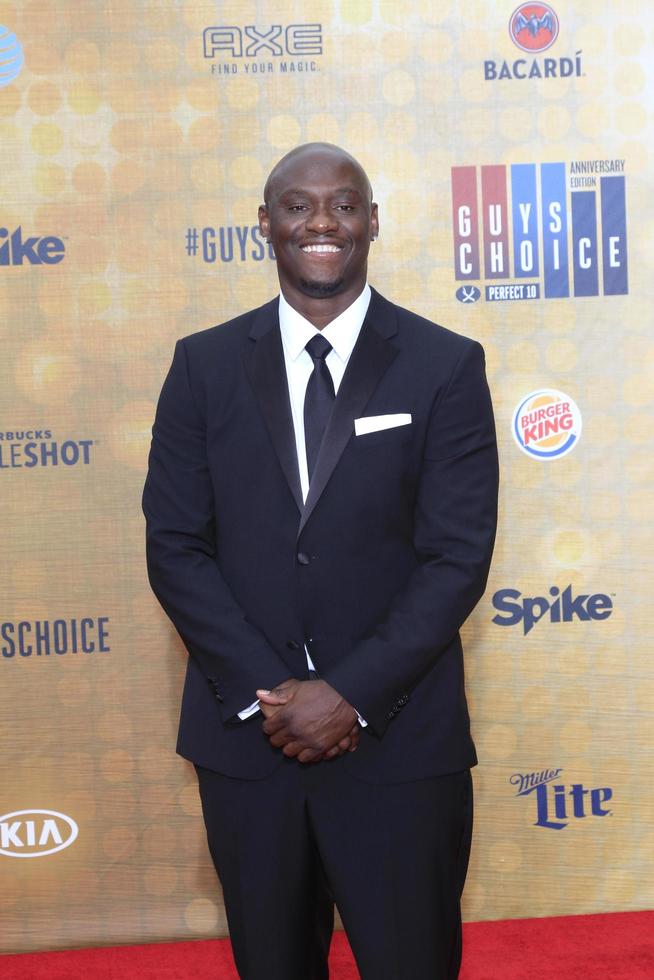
[[534, 27]]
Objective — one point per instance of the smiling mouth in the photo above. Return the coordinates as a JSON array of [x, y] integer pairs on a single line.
[[321, 249]]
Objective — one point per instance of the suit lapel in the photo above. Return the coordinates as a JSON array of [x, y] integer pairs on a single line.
[[370, 359], [264, 364]]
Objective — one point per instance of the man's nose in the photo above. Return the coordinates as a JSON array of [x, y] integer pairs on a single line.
[[321, 220]]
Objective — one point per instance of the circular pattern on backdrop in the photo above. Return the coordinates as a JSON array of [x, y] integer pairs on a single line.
[[246, 173], [243, 94], [631, 118], [44, 98], [94, 297], [398, 87], [323, 128], [160, 841], [160, 880], [283, 133], [630, 78], [592, 119], [554, 122], [73, 695], [204, 134], [161, 55], [120, 843], [628, 38], [89, 178], [83, 98], [46, 375], [82, 56], [127, 177], [49, 179], [435, 47], [117, 765], [505, 856], [131, 432], [498, 741], [201, 915], [189, 800], [400, 126], [358, 13], [46, 139]]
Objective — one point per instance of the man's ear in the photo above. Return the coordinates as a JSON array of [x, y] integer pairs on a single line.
[[264, 222], [374, 221]]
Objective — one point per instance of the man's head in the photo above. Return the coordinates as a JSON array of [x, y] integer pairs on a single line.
[[320, 217]]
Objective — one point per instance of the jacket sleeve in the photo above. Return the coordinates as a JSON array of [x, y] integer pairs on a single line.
[[181, 553], [454, 532]]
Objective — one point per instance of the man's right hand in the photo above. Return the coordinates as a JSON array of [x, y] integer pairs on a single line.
[[270, 702]]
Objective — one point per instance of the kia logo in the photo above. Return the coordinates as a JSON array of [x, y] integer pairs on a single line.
[[36, 833]]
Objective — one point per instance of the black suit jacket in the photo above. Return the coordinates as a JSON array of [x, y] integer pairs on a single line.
[[377, 571]]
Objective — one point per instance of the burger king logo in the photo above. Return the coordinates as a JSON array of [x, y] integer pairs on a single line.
[[546, 424]]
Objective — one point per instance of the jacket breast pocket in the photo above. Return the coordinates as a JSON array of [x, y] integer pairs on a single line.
[[391, 438]]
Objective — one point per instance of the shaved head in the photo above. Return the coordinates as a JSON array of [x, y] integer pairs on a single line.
[[320, 218], [308, 152]]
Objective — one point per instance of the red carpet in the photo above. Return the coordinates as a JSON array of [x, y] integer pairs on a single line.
[[582, 947]]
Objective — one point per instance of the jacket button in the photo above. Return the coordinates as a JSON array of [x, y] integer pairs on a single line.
[[303, 558], [292, 645]]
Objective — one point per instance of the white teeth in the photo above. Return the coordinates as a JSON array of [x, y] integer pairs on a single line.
[[321, 248]]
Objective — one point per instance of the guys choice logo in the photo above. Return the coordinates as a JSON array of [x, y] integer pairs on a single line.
[[546, 424], [534, 27]]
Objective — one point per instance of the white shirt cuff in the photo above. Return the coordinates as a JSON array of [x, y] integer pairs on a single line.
[[247, 712], [254, 707]]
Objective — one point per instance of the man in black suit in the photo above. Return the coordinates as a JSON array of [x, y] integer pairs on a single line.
[[321, 507]]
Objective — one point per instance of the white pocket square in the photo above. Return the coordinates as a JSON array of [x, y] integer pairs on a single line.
[[373, 423]]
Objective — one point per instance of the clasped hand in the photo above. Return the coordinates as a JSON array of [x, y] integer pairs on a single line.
[[309, 720]]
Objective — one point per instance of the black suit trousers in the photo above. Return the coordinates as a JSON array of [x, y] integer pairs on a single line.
[[393, 858]]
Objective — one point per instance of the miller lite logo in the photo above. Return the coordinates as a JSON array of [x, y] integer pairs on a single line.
[[534, 27], [556, 803]]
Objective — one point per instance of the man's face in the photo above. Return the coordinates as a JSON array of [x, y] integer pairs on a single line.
[[320, 220]]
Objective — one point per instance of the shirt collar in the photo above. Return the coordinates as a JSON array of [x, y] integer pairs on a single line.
[[341, 333]]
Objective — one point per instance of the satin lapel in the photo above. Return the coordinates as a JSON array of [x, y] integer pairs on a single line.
[[265, 368], [370, 359]]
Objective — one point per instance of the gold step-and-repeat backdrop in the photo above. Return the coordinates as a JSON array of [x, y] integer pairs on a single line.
[[510, 150]]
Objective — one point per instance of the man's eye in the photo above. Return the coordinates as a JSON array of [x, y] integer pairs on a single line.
[[297, 207], [345, 207]]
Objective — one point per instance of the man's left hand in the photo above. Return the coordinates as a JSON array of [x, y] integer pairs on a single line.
[[310, 720]]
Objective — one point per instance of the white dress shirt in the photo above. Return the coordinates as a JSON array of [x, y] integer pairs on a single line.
[[342, 334], [296, 331]]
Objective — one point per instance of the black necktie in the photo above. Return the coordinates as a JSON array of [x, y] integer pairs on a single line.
[[318, 399]]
